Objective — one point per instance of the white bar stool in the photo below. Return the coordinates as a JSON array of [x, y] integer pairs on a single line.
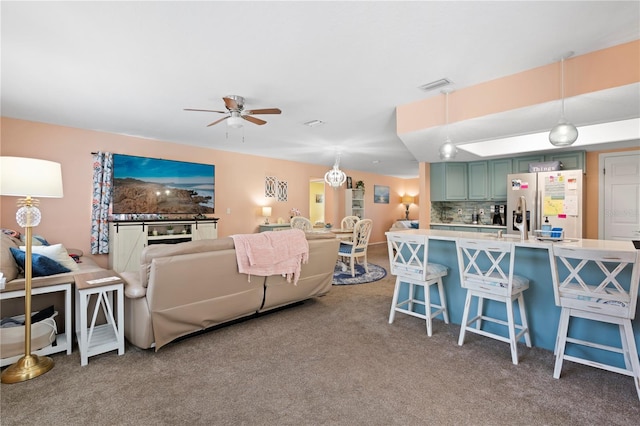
[[588, 284], [486, 271], [408, 259]]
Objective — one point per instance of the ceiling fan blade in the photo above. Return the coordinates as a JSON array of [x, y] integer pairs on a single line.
[[254, 120], [217, 121], [264, 111], [205, 110], [230, 103]]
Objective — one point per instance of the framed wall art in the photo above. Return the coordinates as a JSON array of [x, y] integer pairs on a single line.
[[380, 194]]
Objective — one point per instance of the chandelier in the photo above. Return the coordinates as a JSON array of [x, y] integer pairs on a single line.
[[335, 177]]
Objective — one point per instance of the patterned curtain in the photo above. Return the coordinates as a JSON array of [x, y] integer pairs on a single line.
[[102, 172]]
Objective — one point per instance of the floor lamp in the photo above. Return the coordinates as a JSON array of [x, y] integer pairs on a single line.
[[28, 177]]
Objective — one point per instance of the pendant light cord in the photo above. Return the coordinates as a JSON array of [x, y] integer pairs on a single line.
[[562, 85], [446, 114]]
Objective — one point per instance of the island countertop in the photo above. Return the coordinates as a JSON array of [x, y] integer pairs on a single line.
[[469, 225], [532, 242]]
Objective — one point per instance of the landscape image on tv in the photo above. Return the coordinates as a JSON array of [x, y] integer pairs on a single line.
[[144, 185]]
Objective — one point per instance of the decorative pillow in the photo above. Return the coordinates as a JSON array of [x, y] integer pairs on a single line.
[[36, 240], [41, 266], [8, 265], [55, 252]]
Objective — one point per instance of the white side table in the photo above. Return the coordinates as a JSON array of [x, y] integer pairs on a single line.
[[97, 339], [63, 341]]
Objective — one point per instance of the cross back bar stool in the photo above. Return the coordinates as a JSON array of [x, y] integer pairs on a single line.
[[486, 271], [590, 284], [408, 259]]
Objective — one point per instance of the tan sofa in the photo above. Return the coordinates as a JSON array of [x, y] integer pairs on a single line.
[[188, 287], [15, 278]]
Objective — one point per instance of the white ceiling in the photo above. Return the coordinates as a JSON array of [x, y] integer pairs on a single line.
[[131, 68]]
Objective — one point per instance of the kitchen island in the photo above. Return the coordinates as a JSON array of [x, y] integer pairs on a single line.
[[531, 261]]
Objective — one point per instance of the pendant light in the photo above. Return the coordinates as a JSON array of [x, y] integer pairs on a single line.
[[448, 150], [563, 133], [335, 177]]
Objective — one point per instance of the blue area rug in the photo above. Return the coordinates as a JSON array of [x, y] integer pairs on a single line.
[[341, 277]]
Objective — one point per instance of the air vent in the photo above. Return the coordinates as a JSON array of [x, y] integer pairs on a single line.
[[314, 123], [435, 84]]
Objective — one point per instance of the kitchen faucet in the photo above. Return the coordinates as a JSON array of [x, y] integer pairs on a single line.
[[521, 218]]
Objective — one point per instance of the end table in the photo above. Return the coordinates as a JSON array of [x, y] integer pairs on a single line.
[[97, 339]]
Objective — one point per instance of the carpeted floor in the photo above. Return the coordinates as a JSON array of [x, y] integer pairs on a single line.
[[333, 360]]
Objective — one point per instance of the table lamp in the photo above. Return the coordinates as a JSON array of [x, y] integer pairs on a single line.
[[28, 177], [266, 213], [407, 200]]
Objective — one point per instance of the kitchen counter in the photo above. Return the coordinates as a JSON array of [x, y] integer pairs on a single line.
[[532, 262], [469, 225], [532, 242]]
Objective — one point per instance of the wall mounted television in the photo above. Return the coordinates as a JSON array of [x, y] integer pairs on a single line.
[[143, 185]]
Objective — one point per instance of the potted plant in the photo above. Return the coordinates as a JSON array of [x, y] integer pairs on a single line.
[[169, 229], [360, 185]]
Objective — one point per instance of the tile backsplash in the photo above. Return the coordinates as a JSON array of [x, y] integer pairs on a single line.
[[447, 211]]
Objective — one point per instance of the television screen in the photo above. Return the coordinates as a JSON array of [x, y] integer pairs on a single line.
[[144, 185]]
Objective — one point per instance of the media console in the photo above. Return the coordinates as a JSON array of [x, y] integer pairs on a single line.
[[128, 238]]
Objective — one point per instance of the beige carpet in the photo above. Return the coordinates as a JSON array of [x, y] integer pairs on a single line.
[[331, 361]]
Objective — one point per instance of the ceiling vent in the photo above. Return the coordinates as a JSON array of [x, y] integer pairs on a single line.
[[435, 84], [314, 123]]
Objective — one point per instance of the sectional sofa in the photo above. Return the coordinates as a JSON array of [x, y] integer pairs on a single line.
[[188, 287]]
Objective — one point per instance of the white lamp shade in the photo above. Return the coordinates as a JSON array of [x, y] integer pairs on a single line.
[[23, 177], [266, 211]]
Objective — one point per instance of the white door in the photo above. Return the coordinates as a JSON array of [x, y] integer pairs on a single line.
[[620, 198]]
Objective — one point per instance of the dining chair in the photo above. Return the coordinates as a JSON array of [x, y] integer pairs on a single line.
[[301, 222], [357, 247], [597, 285], [348, 222], [408, 261], [486, 272]]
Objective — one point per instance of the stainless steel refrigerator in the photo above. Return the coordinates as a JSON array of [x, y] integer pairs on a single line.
[[554, 195]]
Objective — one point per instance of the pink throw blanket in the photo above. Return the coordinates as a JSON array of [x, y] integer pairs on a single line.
[[272, 253]]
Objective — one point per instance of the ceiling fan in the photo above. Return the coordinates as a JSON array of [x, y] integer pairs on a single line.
[[237, 113]]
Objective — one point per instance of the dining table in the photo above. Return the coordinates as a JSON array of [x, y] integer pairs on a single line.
[[342, 233]]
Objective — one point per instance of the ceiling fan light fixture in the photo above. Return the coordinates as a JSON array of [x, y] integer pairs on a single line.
[[235, 122], [563, 133]]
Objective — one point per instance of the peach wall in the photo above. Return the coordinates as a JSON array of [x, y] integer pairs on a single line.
[[239, 182], [604, 69]]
